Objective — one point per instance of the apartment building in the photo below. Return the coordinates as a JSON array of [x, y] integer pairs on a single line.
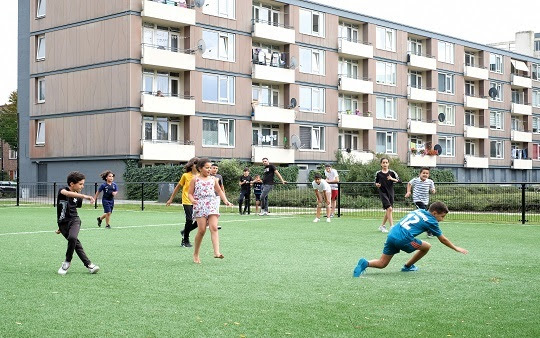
[[101, 82], [526, 42]]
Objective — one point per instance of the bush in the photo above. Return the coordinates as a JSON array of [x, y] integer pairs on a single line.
[[134, 175]]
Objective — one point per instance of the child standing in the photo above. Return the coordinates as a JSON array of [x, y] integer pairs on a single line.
[[110, 189], [324, 195], [421, 187], [384, 180], [245, 192], [202, 192], [257, 191], [332, 178], [402, 237], [67, 201]]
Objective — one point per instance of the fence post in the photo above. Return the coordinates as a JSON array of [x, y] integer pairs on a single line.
[[338, 199], [54, 194], [142, 196], [523, 220], [95, 191]]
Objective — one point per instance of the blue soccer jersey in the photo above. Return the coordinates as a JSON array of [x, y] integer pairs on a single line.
[[415, 223]]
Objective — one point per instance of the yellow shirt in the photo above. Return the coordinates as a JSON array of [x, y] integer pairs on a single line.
[[184, 182]]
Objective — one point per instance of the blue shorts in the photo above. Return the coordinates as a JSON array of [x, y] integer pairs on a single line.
[[394, 245], [258, 197], [108, 205]]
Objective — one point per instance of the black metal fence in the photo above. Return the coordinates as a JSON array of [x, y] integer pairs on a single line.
[[482, 202]]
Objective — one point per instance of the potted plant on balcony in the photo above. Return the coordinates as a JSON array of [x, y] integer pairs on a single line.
[[432, 152], [413, 151], [368, 113]]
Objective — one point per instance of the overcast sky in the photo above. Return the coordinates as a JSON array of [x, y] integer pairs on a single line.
[[480, 21]]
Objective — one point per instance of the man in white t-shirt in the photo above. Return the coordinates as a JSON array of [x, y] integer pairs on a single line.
[[332, 178], [323, 193]]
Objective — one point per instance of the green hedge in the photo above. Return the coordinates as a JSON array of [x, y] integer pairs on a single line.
[[134, 174]]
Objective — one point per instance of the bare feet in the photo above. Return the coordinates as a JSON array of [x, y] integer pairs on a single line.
[[196, 260], [220, 256]]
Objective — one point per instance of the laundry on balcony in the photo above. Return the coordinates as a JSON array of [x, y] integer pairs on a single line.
[[265, 57], [519, 154]]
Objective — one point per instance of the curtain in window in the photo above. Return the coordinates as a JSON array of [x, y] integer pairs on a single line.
[[210, 132], [305, 137]]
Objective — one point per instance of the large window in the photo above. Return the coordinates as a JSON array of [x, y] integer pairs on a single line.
[[218, 132], [348, 140], [311, 22], [496, 63], [348, 104], [415, 46], [536, 124], [266, 13], [448, 146], [219, 45], [470, 118], [470, 148], [218, 88], [312, 99], [40, 47], [168, 84], [40, 89], [499, 87], [222, 8], [386, 142], [518, 96], [312, 138], [496, 120], [449, 114], [40, 132], [446, 52], [496, 149], [536, 98], [446, 83], [386, 73], [41, 8], [348, 31], [162, 37], [415, 79], [265, 134], [161, 128], [386, 108], [415, 111], [536, 71], [348, 68], [386, 39], [311, 61], [265, 94], [470, 88], [470, 59], [536, 151]]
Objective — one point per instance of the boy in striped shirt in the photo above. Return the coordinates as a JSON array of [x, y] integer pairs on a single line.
[[421, 187]]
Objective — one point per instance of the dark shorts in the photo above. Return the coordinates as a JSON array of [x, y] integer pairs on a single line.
[[421, 205], [108, 206], [394, 245], [335, 194], [387, 200], [258, 197]]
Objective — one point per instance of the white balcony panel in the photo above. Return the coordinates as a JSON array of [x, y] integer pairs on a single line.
[[273, 34], [168, 15], [520, 81], [422, 160], [521, 164], [357, 156], [476, 162], [419, 127], [275, 154], [350, 121], [167, 105], [421, 95], [522, 109], [476, 73], [166, 151], [273, 114], [355, 86], [521, 136], [273, 74], [475, 132], [354, 50], [421, 62], [472, 102], [166, 59]]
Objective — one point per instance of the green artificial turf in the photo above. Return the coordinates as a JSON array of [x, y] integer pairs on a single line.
[[282, 276]]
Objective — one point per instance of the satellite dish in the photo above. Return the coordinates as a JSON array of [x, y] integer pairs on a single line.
[[201, 45], [295, 142], [493, 92], [199, 3], [438, 148], [348, 150], [294, 63], [293, 103], [442, 117]]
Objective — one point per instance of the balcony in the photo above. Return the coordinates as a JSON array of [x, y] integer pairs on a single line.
[[272, 114], [475, 132], [276, 154], [475, 73], [421, 95], [353, 121], [421, 127], [521, 81], [272, 74], [522, 109], [170, 14], [522, 164], [355, 86], [520, 136], [162, 58], [473, 102], [154, 150], [354, 49], [273, 33], [167, 105], [357, 156], [418, 160], [421, 62], [476, 162]]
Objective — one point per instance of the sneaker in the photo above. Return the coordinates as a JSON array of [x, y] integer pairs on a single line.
[[219, 227], [316, 220], [360, 268], [263, 213], [430, 235], [332, 215], [410, 268], [99, 220], [92, 268], [182, 233], [108, 226], [64, 268], [382, 228], [186, 244], [328, 220]]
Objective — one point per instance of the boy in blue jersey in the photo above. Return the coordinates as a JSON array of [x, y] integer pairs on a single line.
[[110, 189], [402, 237]]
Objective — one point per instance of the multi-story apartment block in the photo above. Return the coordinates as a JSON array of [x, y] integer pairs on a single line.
[[526, 42], [161, 81]]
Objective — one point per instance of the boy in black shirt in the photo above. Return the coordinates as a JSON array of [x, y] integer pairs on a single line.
[[245, 192], [68, 200], [257, 191]]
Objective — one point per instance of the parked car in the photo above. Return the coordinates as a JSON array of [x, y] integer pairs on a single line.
[[8, 186]]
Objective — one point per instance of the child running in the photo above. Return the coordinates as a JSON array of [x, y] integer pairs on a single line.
[[324, 196], [110, 189], [384, 180], [421, 187], [402, 237], [202, 192], [257, 191]]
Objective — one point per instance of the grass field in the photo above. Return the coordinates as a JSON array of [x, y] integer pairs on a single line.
[[282, 276]]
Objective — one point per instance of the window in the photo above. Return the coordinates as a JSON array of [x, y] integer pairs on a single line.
[[386, 108], [417, 142], [40, 132], [348, 32], [470, 118], [218, 88], [415, 79], [311, 22], [222, 8], [536, 98], [470, 148], [470, 88], [386, 39], [496, 120], [536, 71], [347, 103], [537, 45], [265, 135], [518, 96], [386, 73], [386, 142], [496, 63], [348, 140], [516, 123], [12, 155], [449, 114], [536, 125], [415, 46], [446, 52], [446, 83], [219, 45], [470, 59], [311, 61], [348, 68], [448, 146], [265, 95], [41, 8], [496, 149], [265, 13], [167, 83], [312, 99], [218, 132], [160, 128], [40, 84], [536, 152], [499, 87], [162, 37], [312, 138], [40, 47], [415, 111]]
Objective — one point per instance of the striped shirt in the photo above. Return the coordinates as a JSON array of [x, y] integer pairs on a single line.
[[420, 189]]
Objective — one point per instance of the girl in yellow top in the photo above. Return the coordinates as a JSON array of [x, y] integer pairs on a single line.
[[191, 224]]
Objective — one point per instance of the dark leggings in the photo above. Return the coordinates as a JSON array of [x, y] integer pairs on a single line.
[[70, 230], [244, 198], [190, 223]]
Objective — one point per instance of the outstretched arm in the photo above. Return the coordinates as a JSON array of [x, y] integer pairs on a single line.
[[281, 178], [408, 190], [175, 191], [74, 194], [221, 194], [449, 244]]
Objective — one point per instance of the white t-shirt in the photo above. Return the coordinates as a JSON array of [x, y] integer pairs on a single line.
[[331, 176], [323, 186]]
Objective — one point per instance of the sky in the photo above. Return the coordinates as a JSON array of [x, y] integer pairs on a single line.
[[480, 21]]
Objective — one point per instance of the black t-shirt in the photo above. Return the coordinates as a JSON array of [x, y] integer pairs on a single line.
[[246, 186], [66, 207], [268, 176], [387, 186], [219, 180]]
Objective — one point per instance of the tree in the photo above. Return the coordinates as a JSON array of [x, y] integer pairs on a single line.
[[8, 122]]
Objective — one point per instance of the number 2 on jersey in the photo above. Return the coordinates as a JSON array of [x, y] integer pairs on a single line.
[[411, 219]]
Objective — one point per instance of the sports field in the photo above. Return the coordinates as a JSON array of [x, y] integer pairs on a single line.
[[282, 276]]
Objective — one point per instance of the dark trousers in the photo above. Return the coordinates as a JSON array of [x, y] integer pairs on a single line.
[[421, 205], [191, 224], [245, 197], [70, 230], [266, 188]]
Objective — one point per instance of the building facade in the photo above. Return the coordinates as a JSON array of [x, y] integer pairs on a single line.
[[526, 42], [101, 82]]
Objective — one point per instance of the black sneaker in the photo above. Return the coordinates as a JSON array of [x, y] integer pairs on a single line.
[[219, 227], [182, 233], [99, 220], [186, 244], [108, 226]]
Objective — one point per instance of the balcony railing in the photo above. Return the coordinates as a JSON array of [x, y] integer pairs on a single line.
[[171, 49], [273, 32], [354, 48], [270, 23], [355, 84], [169, 12], [167, 104], [356, 155], [166, 150]]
